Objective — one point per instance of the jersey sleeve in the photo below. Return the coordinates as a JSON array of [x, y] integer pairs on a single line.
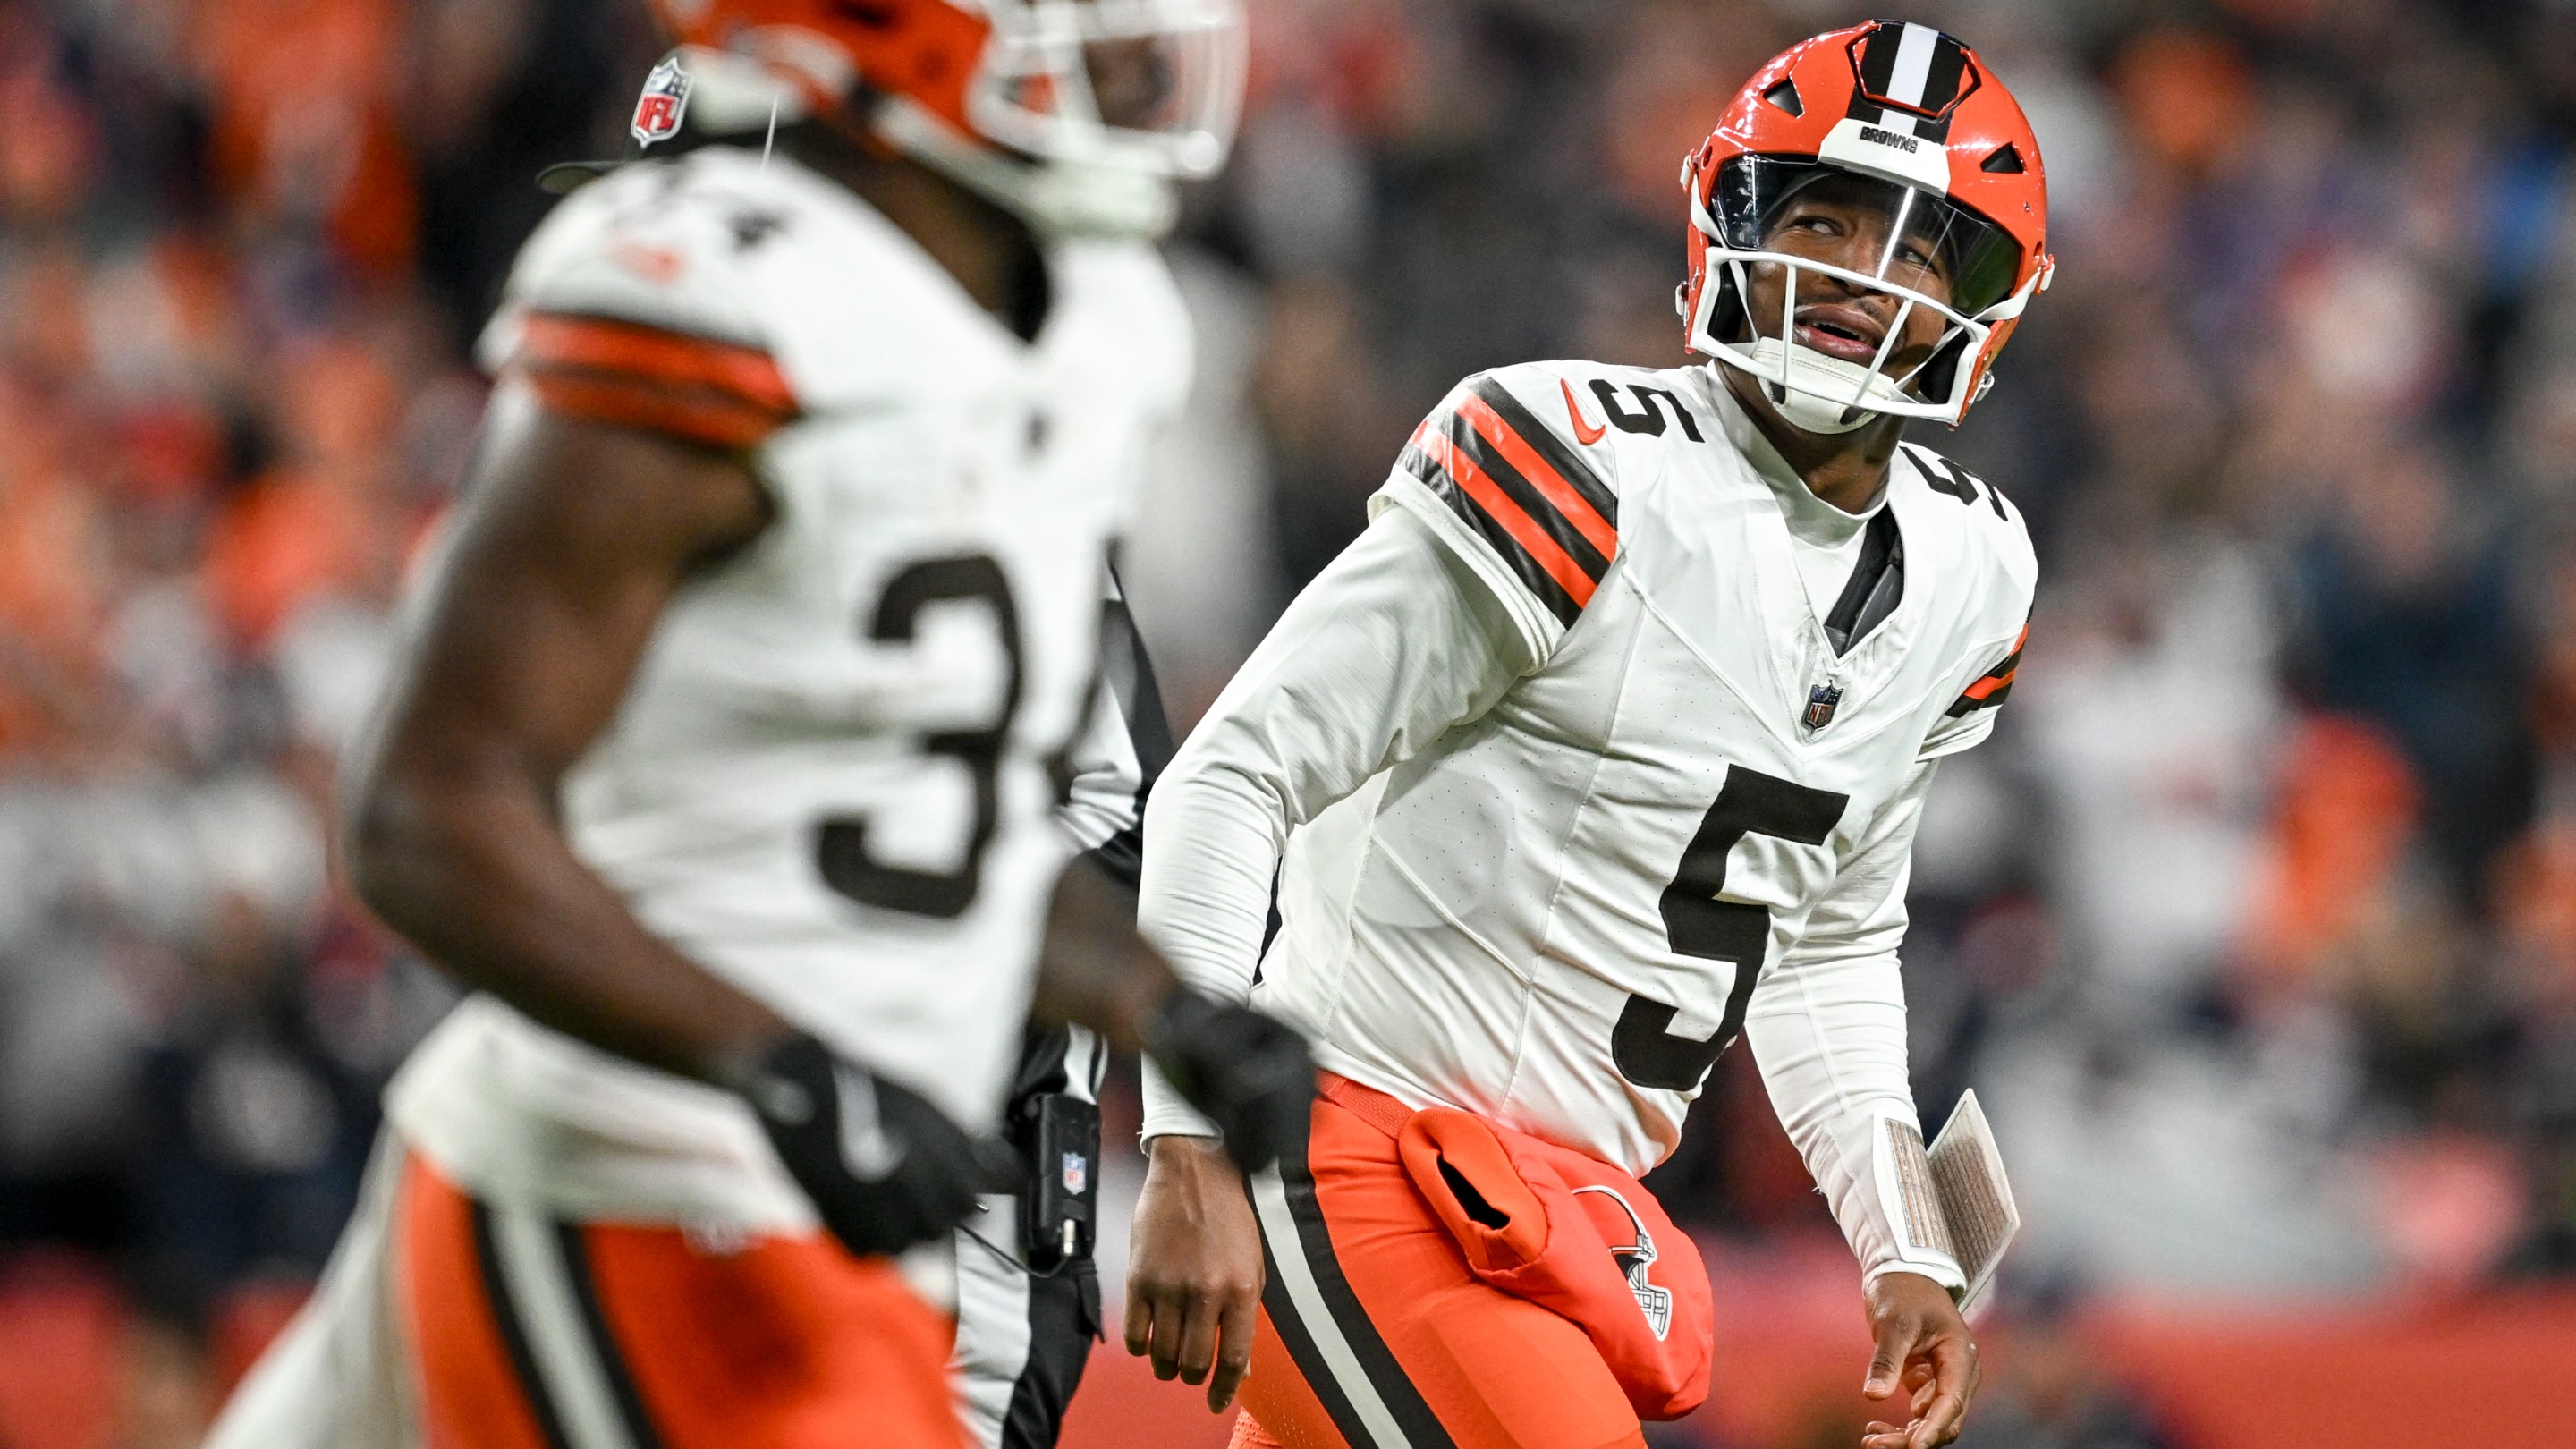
[[1530, 512], [1990, 544], [631, 306], [1395, 642], [1971, 717], [1827, 1028]]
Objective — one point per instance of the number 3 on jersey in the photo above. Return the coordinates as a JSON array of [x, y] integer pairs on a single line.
[[841, 845], [1697, 924]]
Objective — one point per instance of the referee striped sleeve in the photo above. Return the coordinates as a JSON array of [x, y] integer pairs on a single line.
[[701, 389], [1534, 500]]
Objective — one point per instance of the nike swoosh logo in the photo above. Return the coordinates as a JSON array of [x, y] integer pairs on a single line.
[[1584, 433]]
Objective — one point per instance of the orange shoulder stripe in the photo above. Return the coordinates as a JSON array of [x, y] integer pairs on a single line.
[[1988, 685], [2001, 676], [676, 359], [1595, 529], [1515, 521], [696, 415]]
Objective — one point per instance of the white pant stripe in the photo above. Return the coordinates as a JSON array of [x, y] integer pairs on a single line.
[[1288, 1257], [541, 1290]]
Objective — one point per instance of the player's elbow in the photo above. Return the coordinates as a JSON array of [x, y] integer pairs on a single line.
[[1193, 788], [383, 838], [403, 837]]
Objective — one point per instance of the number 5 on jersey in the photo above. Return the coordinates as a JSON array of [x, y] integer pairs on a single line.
[[1698, 924]]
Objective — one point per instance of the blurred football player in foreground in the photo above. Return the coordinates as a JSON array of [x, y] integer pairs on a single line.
[[726, 760], [1605, 743]]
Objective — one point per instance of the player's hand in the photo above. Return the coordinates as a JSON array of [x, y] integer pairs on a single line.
[[1923, 1348], [1194, 1268], [885, 1168], [1250, 1074]]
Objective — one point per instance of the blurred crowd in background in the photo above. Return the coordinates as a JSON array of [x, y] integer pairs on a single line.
[[2255, 926]]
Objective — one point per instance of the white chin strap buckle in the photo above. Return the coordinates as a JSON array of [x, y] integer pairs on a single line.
[[1811, 391]]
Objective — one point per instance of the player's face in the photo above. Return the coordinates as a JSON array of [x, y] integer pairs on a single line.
[[1131, 83], [1154, 84], [1862, 227]]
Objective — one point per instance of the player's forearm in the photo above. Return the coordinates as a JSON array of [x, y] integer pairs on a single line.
[[1212, 853], [1204, 900], [478, 876], [1095, 970], [1830, 1037], [1393, 644]]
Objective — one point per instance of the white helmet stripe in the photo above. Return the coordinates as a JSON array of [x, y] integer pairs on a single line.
[[1913, 64]]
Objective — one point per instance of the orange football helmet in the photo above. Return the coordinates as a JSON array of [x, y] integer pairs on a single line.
[[1076, 112], [1944, 153]]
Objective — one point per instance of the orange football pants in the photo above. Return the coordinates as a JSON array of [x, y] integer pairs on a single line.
[[531, 1332], [1374, 1333]]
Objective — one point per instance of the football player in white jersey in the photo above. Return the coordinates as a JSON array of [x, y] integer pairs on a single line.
[[1605, 743], [727, 760]]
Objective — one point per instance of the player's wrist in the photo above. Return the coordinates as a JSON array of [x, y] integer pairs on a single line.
[[1167, 1112], [1911, 1286], [1187, 1151], [740, 1060], [1251, 1076]]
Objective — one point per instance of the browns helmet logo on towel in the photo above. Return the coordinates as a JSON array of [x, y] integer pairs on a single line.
[[1634, 1259]]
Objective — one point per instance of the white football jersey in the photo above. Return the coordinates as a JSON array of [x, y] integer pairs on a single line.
[[833, 777], [1621, 799]]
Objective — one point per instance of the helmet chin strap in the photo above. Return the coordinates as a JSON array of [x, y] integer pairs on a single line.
[[1806, 411], [1056, 198], [1810, 391]]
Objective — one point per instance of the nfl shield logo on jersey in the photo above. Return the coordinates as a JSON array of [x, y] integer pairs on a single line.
[[1820, 706], [1077, 1173], [664, 102]]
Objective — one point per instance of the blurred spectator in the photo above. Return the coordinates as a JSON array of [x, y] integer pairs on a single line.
[[2051, 1388], [255, 1131], [2411, 621]]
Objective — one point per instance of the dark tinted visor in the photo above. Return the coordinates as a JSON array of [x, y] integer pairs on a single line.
[[1914, 235]]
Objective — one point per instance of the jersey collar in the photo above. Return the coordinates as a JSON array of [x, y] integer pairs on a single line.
[[1811, 520]]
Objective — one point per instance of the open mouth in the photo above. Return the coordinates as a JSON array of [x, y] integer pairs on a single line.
[[1845, 333]]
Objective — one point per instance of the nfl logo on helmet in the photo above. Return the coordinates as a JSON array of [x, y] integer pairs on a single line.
[[1077, 1173], [664, 102]]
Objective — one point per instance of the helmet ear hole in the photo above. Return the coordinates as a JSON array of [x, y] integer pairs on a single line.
[[1727, 320], [1941, 373]]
